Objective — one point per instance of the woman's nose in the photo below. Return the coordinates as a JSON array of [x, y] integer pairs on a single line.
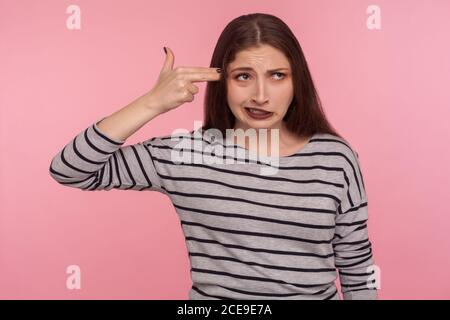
[[260, 96]]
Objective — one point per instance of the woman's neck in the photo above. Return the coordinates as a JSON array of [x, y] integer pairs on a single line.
[[268, 141]]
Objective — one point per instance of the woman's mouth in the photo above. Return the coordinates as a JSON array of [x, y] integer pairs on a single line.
[[258, 114]]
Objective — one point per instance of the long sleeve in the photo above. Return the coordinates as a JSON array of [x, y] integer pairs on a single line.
[[352, 247], [93, 161]]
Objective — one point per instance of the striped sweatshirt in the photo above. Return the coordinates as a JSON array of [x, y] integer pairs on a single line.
[[286, 235]]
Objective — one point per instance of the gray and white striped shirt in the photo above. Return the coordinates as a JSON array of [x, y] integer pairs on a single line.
[[250, 236]]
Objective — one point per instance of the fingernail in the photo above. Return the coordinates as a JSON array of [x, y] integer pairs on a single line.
[[165, 50], [219, 70]]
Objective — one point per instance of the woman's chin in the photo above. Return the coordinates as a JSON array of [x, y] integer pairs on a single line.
[[259, 125]]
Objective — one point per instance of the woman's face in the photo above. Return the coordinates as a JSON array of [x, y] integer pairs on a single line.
[[266, 84]]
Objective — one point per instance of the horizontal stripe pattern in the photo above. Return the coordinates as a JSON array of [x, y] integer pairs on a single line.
[[288, 235]]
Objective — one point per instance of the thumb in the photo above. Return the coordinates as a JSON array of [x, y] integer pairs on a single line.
[[168, 63]]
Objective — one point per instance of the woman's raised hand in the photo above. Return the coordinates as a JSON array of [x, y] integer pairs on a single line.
[[175, 86]]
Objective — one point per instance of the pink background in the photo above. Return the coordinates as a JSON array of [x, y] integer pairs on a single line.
[[386, 91]]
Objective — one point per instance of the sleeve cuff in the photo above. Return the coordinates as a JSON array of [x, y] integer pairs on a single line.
[[369, 294], [104, 135]]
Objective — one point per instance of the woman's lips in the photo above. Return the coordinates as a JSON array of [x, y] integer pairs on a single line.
[[258, 115]]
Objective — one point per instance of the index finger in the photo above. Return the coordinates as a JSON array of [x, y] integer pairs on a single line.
[[199, 69], [203, 76]]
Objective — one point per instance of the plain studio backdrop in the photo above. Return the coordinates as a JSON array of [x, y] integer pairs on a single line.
[[382, 73]]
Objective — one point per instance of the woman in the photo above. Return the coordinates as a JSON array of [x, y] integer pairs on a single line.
[[282, 235]]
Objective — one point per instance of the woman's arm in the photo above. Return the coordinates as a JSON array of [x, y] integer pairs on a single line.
[[123, 123], [95, 159], [352, 247]]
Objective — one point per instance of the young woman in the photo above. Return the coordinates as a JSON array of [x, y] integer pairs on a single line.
[[284, 235]]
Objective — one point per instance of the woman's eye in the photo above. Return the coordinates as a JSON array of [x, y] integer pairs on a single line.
[[241, 74], [280, 73], [246, 74]]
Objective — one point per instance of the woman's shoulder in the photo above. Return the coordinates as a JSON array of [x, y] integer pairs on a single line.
[[328, 142]]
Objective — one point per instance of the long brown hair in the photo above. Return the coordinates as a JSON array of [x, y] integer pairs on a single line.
[[305, 116]]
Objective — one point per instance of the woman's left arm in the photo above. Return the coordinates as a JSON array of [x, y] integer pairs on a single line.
[[351, 244]]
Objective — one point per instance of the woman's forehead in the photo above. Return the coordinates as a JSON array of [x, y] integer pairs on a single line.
[[267, 58]]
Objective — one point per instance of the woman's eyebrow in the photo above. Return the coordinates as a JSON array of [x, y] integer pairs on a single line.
[[251, 69]]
